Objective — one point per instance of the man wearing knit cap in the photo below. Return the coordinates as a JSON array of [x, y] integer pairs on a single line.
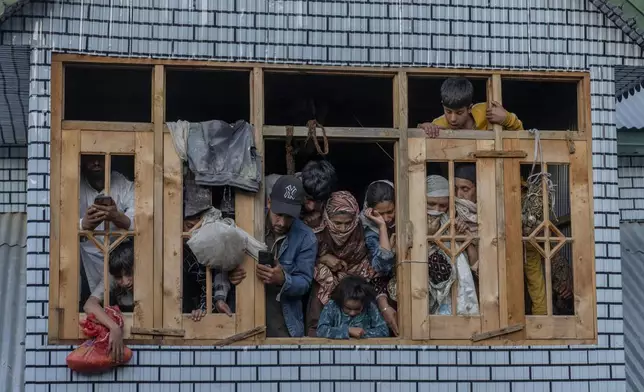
[[465, 181]]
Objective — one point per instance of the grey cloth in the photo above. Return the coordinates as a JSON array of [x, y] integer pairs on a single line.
[[224, 154]]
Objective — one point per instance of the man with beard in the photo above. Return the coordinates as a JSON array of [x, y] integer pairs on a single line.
[[117, 210], [294, 248]]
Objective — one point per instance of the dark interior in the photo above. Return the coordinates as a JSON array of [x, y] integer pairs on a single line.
[[541, 104], [202, 95], [333, 100], [115, 93], [425, 97], [357, 163]]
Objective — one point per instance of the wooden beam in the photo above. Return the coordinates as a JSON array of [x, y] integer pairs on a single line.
[[144, 222], [158, 110], [297, 68], [55, 177], [259, 203], [157, 331], [108, 126], [499, 154], [241, 336], [498, 332], [404, 229], [69, 264], [172, 235], [418, 290], [495, 94], [513, 312], [273, 131]]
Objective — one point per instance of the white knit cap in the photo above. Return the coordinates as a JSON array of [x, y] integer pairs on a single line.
[[437, 186]]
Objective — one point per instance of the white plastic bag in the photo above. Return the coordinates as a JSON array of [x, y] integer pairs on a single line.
[[218, 243]]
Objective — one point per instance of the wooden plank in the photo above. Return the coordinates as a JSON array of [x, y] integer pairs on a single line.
[[158, 331], [498, 154], [211, 326], [554, 151], [453, 134], [404, 228], [582, 226], [257, 116], [419, 287], [498, 332], [450, 149], [69, 275], [544, 135], [495, 94], [54, 199], [240, 336], [105, 245], [172, 235], [272, 131], [421, 71], [108, 126], [158, 109], [144, 221], [549, 327], [513, 303], [489, 300], [101, 142], [546, 245], [450, 327]]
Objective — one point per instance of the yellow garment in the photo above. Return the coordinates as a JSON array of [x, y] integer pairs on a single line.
[[479, 110], [535, 280]]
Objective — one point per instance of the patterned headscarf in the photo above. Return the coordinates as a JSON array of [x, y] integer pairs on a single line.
[[341, 203]]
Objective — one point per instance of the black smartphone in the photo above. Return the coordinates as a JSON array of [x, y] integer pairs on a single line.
[[265, 258], [103, 200]]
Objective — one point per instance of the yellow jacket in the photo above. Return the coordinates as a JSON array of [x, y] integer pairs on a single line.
[[479, 110]]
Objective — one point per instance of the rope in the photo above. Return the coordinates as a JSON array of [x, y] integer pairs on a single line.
[[290, 161], [312, 125]]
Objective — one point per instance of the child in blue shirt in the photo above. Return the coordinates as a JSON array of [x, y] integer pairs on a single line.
[[351, 312]]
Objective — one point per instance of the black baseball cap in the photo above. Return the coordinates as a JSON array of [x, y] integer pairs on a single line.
[[287, 196]]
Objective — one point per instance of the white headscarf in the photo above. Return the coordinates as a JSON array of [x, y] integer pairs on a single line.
[[437, 186]]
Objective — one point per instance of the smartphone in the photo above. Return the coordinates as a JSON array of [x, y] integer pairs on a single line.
[[103, 200], [265, 258]]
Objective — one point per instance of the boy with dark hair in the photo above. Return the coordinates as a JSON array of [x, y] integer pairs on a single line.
[[457, 94], [121, 268]]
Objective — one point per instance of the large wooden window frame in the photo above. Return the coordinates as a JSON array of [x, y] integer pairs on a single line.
[[498, 155]]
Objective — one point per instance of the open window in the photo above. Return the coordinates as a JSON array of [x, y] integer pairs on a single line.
[[503, 254]]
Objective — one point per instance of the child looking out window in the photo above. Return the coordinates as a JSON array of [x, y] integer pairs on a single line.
[[352, 312]]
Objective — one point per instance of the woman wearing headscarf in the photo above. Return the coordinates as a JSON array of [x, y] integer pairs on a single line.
[[442, 273], [378, 219], [341, 251]]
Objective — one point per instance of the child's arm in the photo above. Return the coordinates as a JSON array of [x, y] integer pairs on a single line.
[[93, 306], [377, 327], [326, 328], [221, 287], [496, 114]]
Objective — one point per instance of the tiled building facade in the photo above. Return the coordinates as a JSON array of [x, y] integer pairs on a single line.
[[517, 34]]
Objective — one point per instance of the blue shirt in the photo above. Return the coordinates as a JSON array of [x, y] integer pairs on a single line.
[[335, 324]]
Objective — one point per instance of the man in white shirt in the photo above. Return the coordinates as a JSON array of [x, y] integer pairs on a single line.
[[119, 211]]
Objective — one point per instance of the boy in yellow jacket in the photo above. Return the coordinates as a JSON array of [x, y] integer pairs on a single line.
[[461, 113], [457, 94]]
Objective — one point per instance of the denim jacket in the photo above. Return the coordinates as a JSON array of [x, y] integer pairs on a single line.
[[335, 324], [296, 254], [382, 260]]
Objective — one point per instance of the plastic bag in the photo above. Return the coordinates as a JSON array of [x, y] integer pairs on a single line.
[[217, 243], [93, 356]]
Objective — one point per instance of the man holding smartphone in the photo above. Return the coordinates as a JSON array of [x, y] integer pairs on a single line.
[[288, 271], [96, 208]]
